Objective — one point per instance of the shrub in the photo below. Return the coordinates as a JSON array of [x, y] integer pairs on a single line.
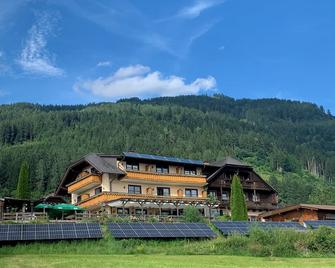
[[192, 214], [224, 217], [322, 240], [274, 242], [235, 244]]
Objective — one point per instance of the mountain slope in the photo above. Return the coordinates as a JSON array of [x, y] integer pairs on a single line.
[[291, 144]]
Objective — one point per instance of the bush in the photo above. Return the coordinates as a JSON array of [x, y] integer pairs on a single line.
[[235, 244], [275, 242], [224, 217], [192, 214], [322, 240]]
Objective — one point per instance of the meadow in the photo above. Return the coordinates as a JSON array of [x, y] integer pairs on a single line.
[[157, 261]]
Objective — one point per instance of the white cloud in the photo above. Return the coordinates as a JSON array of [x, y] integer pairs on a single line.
[[104, 63], [140, 81], [34, 57], [197, 8]]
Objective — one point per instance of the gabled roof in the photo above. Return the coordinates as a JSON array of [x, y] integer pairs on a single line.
[[101, 162], [232, 162], [296, 207], [163, 158], [228, 161]]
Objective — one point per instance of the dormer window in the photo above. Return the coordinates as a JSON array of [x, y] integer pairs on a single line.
[[162, 169], [132, 166], [190, 171]]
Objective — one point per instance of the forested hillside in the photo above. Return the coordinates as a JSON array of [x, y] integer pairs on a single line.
[[291, 144]]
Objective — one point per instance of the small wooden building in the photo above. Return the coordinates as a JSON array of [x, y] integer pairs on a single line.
[[300, 213]]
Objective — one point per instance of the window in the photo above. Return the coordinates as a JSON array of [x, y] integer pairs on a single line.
[[97, 190], [190, 171], [134, 189], [162, 169], [78, 198], [225, 196], [163, 191], [212, 193], [138, 211], [191, 192], [132, 166], [256, 198], [120, 211]]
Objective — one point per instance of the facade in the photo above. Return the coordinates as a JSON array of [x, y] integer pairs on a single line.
[[138, 184], [300, 213]]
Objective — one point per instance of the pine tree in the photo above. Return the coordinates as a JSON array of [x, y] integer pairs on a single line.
[[237, 201], [22, 190]]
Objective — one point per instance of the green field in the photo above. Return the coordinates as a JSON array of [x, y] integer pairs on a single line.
[[143, 261]]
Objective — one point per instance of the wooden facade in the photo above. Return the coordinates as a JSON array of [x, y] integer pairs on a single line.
[[259, 195], [300, 213]]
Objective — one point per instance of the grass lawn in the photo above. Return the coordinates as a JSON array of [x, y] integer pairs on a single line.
[[156, 261]]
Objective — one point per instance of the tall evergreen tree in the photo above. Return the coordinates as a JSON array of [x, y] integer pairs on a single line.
[[22, 190], [237, 201]]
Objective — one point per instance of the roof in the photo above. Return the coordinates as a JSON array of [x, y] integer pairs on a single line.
[[295, 207], [163, 158], [228, 161], [103, 163]]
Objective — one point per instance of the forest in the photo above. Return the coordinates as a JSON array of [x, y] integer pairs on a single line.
[[290, 143]]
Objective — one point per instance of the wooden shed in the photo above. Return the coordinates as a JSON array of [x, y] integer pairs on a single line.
[[300, 213]]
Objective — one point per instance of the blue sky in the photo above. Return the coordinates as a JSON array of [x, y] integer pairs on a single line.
[[69, 52]]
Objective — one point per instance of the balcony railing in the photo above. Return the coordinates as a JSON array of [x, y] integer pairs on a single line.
[[84, 183], [104, 197], [169, 178]]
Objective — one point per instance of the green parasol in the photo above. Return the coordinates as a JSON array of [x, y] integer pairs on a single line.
[[66, 207], [62, 210], [43, 206]]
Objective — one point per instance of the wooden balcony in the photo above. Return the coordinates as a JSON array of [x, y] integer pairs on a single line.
[[84, 184], [100, 199], [167, 178], [262, 205]]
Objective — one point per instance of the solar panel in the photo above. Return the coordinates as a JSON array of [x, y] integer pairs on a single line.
[[160, 230], [54, 231], [163, 158], [317, 224], [244, 227]]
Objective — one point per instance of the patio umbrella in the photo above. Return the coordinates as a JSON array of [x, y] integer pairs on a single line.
[[65, 208], [43, 206]]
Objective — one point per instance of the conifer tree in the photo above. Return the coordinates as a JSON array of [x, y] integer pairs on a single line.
[[22, 190], [237, 201]]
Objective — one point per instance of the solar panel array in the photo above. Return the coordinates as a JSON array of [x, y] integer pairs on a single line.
[[55, 231], [161, 230], [317, 224], [244, 227], [163, 158], [227, 227]]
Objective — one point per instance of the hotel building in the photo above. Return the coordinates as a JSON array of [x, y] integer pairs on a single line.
[[143, 184]]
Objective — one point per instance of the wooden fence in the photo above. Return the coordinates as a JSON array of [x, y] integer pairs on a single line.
[[24, 216]]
